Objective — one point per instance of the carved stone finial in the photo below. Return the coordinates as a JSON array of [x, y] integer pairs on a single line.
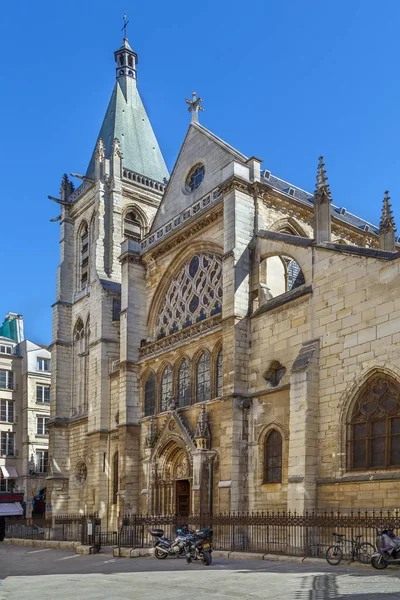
[[202, 436], [100, 150], [322, 192], [67, 187], [116, 148], [387, 219], [194, 107], [387, 228], [151, 434]]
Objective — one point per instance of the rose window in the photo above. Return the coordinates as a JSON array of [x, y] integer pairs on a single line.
[[194, 294]]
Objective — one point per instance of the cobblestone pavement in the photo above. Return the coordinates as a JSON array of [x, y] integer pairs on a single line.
[[55, 574]]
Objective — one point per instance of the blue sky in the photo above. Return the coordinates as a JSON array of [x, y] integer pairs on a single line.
[[285, 80]]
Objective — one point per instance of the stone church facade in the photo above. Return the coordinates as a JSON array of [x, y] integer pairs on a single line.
[[222, 339]]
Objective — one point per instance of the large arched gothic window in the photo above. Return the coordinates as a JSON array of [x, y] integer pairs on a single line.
[[166, 388], [218, 374], [79, 368], [194, 294], [374, 428], [84, 251], [273, 457], [203, 378], [184, 383], [150, 395], [132, 227]]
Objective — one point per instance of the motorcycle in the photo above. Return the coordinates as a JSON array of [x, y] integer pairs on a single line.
[[388, 549], [165, 547], [198, 546]]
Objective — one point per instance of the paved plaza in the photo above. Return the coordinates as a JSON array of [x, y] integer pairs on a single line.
[[55, 574]]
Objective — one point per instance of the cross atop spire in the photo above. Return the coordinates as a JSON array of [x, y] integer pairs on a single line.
[[124, 27], [387, 220], [194, 107], [322, 192]]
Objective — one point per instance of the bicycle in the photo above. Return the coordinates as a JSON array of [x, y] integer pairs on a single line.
[[359, 551]]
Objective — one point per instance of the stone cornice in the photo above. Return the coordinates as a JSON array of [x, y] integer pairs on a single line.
[[186, 233], [236, 183], [167, 343], [131, 257]]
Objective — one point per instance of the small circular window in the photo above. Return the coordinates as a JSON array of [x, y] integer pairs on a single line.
[[195, 178]]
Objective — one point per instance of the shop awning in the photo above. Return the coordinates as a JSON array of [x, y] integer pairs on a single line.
[[10, 509], [9, 472]]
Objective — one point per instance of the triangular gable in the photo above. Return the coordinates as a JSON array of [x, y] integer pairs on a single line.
[[174, 427], [199, 146]]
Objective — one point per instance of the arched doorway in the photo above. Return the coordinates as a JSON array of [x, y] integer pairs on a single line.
[[172, 481]]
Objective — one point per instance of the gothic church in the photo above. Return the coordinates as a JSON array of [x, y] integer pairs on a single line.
[[222, 339]]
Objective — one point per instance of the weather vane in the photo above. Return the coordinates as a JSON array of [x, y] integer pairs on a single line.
[[125, 24]]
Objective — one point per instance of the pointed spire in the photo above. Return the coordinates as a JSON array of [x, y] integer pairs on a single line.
[[203, 432], [322, 206], [387, 219], [387, 227], [194, 107], [322, 192], [67, 187]]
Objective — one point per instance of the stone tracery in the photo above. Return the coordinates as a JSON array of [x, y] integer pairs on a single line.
[[194, 294]]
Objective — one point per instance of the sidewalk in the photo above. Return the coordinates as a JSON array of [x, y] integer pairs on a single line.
[[149, 552]]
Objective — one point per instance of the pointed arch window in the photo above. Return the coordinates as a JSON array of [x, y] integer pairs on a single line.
[[115, 478], [218, 374], [84, 244], [374, 428], [132, 227], [273, 457], [150, 395], [184, 384], [79, 375], [194, 294], [166, 388], [203, 378]]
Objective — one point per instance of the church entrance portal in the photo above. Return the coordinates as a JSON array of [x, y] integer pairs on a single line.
[[171, 488], [183, 497]]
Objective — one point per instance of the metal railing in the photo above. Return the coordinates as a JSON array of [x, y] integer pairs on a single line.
[[264, 532], [67, 527]]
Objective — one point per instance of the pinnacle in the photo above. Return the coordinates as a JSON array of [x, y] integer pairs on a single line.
[[387, 219], [322, 191]]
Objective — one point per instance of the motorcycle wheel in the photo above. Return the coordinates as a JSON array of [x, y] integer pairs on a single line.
[[188, 560], [378, 562], [207, 558], [160, 554]]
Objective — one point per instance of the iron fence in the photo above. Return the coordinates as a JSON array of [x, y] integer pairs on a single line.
[[70, 528], [288, 533], [265, 532]]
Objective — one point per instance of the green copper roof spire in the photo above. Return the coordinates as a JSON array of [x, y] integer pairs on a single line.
[[126, 119]]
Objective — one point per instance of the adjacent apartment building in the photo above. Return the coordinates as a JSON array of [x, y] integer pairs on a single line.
[[24, 413]]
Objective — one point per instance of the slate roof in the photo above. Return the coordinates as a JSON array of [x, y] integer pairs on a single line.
[[127, 120], [307, 198]]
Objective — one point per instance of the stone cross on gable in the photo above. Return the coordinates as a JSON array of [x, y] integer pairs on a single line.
[[194, 107]]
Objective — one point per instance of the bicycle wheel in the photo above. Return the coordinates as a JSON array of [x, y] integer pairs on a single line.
[[334, 555], [364, 553]]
